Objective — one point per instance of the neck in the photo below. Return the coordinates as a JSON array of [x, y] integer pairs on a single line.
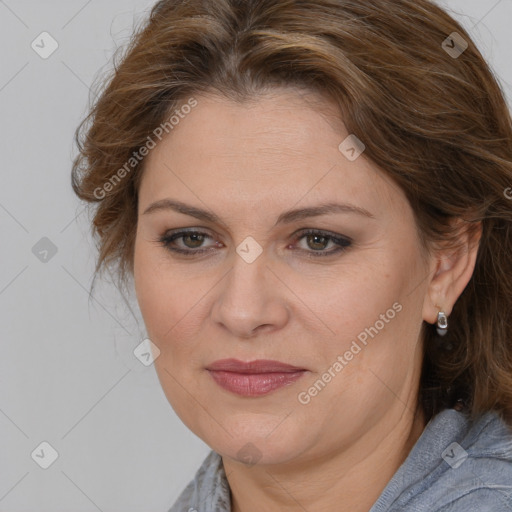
[[350, 479]]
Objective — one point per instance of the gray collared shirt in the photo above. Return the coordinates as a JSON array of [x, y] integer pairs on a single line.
[[455, 466]]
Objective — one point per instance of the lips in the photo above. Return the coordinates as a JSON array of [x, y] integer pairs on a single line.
[[259, 366], [254, 378]]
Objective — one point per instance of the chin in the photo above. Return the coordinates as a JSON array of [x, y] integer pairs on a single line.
[[255, 445]]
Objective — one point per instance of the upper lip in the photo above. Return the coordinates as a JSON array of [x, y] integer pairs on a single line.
[[257, 366]]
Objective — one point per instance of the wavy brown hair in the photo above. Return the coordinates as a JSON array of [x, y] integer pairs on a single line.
[[437, 124]]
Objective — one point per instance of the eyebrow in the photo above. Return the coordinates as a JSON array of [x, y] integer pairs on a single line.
[[285, 218]]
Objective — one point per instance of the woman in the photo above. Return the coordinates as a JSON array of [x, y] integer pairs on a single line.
[[311, 199]]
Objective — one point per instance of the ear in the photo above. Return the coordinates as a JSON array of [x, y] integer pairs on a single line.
[[451, 271]]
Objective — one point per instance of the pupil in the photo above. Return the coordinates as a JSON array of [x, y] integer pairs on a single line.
[[316, 237], [197, 238]]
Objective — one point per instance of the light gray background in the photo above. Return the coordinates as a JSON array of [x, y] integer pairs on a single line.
[[67, 372]]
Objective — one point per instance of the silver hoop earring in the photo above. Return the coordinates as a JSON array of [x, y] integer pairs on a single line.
[[442, 323]]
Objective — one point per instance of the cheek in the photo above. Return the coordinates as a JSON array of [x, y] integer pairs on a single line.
[[167, 306], [370, 314], [356, 297], [169, 300], [154, 291]]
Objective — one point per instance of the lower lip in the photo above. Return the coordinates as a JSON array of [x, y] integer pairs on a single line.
[[254, 384]]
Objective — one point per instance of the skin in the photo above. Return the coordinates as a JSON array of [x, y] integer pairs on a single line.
[[249, 162]]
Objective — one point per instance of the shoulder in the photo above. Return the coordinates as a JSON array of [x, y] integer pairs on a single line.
[[208, 490], [478, 468], [482, 499], [458, 464]]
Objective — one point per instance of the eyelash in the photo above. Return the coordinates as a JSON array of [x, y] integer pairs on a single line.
[[343, 243]]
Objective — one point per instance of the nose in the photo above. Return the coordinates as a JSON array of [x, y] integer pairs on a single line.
[[251, 299]]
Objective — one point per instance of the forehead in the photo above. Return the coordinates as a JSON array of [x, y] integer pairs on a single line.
[[282, 122], [283, 145]]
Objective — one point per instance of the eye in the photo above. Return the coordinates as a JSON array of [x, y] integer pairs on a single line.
[[191, 242], [318, 241]]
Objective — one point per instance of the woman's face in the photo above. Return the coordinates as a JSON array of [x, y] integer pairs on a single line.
[[343, 305]]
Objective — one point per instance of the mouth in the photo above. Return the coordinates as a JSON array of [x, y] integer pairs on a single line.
[[254, 378]]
